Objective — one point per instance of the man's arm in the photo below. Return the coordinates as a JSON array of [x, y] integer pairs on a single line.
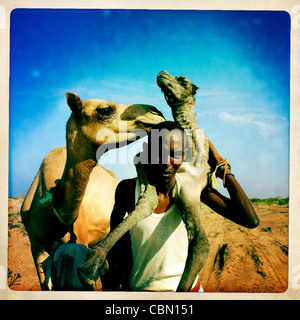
[[237, 208], [120, 256], [124, 201]]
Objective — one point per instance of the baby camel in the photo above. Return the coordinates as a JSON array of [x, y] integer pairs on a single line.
[[70, 187], [179, 93]]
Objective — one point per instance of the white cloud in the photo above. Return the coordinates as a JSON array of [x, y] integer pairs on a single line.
[[266, 129], [239, 119], [266, 124]]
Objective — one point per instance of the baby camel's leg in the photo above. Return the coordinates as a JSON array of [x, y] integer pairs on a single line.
[[88, 272], [198, 244]]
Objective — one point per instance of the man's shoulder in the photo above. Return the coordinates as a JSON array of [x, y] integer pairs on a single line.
[[126, 186], [125, 194]]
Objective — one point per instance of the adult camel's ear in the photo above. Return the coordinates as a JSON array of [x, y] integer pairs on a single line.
[[74, 103]]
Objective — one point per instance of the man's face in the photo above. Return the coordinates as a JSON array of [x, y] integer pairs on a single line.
[[166, 155]]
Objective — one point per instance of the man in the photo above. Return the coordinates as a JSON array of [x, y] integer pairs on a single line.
[[152, 255]]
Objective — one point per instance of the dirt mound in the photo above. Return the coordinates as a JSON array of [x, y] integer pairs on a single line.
[[247, 260], [240, 259], [21, 270]]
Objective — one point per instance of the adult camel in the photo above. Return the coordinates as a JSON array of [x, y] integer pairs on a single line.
[[70, 188]]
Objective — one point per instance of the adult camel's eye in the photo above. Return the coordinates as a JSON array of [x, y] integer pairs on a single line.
[[106, 110], [103, 113]]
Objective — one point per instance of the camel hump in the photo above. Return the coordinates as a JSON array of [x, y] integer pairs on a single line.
[[56, 155], [52, 167]]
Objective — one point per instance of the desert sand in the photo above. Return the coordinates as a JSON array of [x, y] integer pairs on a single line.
[[240, 259]]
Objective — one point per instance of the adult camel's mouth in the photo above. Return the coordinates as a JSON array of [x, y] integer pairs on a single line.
[[145, 125]]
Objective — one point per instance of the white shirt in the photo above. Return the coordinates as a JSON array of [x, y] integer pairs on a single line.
[[159, 246]]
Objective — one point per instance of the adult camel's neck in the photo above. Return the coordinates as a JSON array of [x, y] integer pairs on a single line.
[[81, 160]]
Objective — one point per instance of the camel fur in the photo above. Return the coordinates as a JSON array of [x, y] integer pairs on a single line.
[[70, 188]]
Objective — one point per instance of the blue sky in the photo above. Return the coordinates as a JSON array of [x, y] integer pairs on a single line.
[[239, 59]]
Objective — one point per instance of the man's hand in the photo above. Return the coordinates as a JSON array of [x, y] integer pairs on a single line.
[[237, 208], [214, 156]]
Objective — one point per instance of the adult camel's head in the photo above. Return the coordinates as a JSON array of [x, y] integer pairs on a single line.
[[102, 122], [177, 90]]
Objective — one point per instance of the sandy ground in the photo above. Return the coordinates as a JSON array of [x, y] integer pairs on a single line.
[[240, 259]]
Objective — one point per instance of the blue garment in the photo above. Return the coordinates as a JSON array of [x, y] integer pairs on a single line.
[[61, 270]]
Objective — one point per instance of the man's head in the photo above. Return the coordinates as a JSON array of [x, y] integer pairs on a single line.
[[165, 151]]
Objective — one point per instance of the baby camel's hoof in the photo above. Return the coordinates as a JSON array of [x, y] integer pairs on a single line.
[[86, 279]]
